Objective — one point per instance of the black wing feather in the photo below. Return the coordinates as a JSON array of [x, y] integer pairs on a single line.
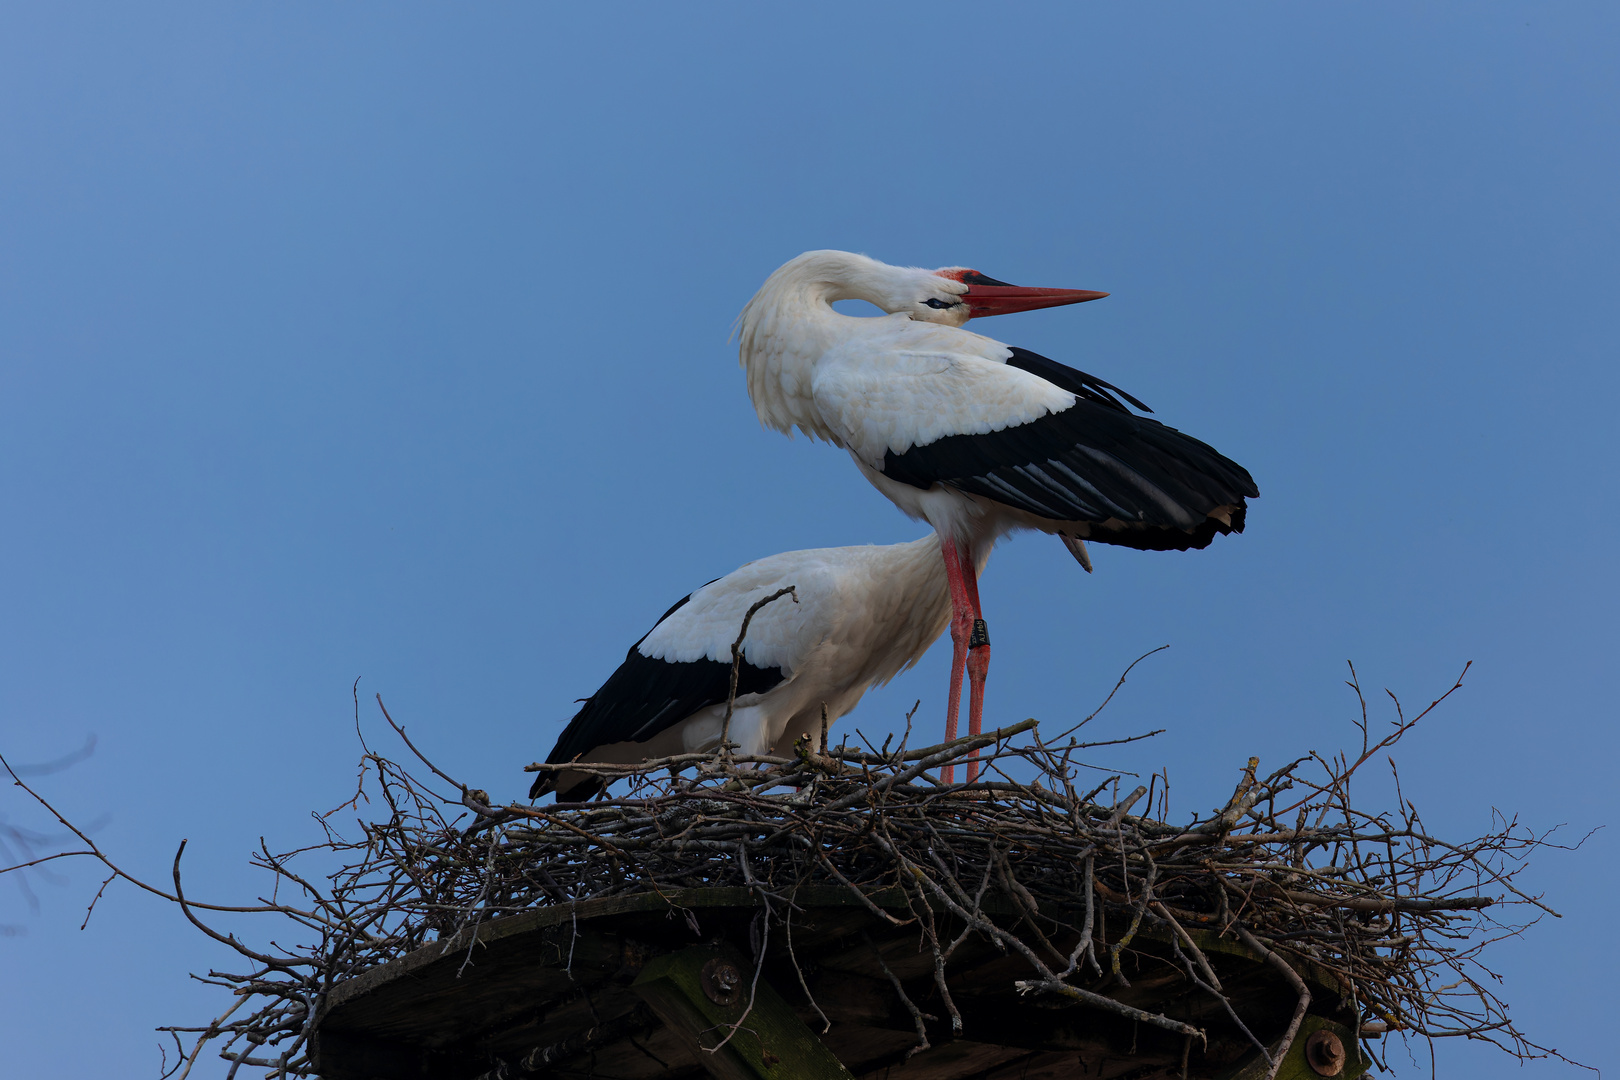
[[1071, 379], [1138, 482], [644, 697]]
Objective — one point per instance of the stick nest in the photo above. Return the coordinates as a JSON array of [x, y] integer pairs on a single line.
[[1289, 866]]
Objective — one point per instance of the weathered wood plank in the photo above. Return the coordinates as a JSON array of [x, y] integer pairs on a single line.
[[544, 979], [701, 992]]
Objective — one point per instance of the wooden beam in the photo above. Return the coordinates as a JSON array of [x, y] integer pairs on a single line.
[[1306, 1062], [702, 992]]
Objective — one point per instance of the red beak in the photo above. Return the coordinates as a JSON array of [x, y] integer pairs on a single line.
[[987, 296], [1005, 299]]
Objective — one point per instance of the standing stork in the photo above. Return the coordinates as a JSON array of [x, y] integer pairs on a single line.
[[857, 617], [972, 436]]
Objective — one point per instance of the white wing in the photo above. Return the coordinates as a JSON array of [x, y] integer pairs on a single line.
[[781, 632], [908, 384]]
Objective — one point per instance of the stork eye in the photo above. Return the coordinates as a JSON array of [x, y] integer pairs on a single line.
[[941, 305]]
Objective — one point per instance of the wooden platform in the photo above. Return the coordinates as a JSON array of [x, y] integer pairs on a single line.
[[636, 987]]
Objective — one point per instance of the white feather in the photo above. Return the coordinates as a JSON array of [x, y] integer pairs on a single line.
[[864, 614], [901, 384], [872, 385]]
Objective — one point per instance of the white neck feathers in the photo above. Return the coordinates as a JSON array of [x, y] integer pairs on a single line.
[[790, 322]]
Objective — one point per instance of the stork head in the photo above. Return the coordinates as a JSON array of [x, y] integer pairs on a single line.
[[789, 322], [951, 295], [980, 295]]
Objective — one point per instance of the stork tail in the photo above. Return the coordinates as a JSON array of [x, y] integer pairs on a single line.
[[1077, 548]]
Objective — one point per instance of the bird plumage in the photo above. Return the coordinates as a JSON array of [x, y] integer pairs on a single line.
[[1113, 476], [1011, 438], [862, 615], [976, 437]]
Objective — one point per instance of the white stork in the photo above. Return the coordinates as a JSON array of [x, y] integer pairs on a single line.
[[858, 616], [975, 437]]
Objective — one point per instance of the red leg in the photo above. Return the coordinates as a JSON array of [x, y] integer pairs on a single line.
[[978, 663], [962, 616]]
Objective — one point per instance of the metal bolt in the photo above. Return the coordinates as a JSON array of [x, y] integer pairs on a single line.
[[1324, 1053], [721, 980]]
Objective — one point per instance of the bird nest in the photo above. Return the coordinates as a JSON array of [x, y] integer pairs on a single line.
[[1391, 917]]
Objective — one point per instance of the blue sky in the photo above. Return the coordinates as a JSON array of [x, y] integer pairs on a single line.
[[391, 342]]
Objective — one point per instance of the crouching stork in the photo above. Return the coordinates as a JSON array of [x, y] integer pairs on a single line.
[[857, 617]]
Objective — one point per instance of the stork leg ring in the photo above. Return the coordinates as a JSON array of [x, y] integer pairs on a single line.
[[978, 660]]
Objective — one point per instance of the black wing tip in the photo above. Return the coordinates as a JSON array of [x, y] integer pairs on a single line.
[[579, 791], [1243, 481], [1168, 539]]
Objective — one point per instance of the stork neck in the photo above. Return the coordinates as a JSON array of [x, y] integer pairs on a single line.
[[788, 325], [798, 311], [805, 316]]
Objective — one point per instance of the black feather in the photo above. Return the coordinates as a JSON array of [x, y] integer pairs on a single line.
[[1094, 462], [644, 697], [1071, 379]]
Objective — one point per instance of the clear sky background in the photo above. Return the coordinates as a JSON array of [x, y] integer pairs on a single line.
[[391, 341]]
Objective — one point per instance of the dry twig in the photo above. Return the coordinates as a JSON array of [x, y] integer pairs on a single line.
[[1396, 916]]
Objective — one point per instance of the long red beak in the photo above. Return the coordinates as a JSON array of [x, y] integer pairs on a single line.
[[1005, 299], [987, 296]]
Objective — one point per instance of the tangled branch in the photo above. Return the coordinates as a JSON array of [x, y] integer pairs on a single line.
[[1369, 903]]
